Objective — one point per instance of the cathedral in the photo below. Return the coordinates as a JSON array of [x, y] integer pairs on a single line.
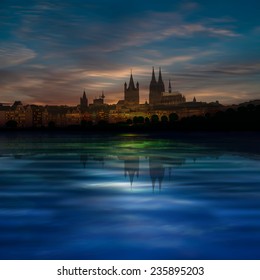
[[156, 89], [158, 95]]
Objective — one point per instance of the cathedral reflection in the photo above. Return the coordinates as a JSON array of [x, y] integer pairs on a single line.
[[131, 167], [157, 170], [157, 166]]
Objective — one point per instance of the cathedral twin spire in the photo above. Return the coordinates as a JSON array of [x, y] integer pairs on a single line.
[[156, 88]]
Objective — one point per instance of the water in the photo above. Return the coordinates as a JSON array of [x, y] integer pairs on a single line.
[[129, 196]]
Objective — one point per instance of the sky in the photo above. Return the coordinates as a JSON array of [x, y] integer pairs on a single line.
[[50, 51]]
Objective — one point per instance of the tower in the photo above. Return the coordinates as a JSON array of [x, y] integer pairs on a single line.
[[153, 92], [156, 89], [170, 87], [160, 83], [131, 92], [83, 102]]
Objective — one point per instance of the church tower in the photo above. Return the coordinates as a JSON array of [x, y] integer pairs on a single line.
[[156, 89], [83, 102], [131, 92], [160, 83]]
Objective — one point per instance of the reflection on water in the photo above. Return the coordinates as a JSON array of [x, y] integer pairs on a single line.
[[129, 197]]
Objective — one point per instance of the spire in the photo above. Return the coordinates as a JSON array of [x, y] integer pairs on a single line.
[[170, 86], [131, 92], [131, 82], [160, 75], [160, 82], [153, 83], [153, 77], [83, 102]]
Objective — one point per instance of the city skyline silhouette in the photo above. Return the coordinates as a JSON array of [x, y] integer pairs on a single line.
[[166, 105]]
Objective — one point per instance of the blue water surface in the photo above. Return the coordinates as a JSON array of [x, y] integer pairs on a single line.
[[129, 196]]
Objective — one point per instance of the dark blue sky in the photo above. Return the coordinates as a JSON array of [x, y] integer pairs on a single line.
[[51, 50]]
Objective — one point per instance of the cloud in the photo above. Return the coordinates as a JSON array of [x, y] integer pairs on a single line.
[[162, 26], [166, 61], [189, 6], [224, 81], [228, 69], [171, 60], [99, 33], [157, 26], [186, 30], [14, 54]]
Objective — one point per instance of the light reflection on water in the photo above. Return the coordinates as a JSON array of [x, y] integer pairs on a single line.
[[129, 197]]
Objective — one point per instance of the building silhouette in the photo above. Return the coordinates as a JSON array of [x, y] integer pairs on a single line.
[[162, 103], [131, 92], [158, 95], [156, 89], [99, 101], [83, 102]]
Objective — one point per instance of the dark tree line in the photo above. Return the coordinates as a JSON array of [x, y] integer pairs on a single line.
[[242, 118]]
